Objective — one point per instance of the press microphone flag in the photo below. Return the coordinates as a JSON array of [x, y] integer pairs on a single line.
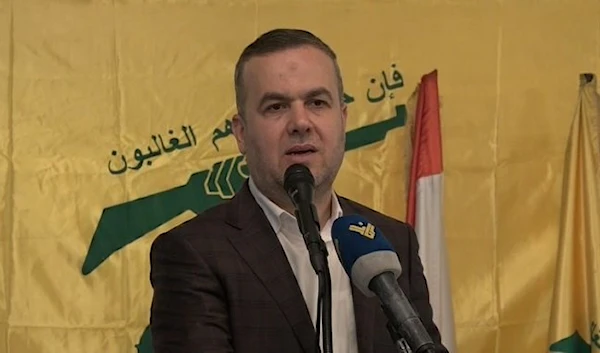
[[373, 266], [363, 251]]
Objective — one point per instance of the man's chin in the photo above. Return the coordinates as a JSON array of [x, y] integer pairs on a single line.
[[319, 173]]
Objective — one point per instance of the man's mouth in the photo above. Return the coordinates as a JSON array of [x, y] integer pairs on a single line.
[[300, 150]]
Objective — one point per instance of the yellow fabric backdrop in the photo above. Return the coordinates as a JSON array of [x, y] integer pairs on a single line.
[[79, 80], [576, 302]]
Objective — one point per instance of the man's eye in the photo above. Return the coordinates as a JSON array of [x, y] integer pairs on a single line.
[[318, 103], [275, 107]]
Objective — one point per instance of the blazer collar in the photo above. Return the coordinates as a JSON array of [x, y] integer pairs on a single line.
[[257, 241]]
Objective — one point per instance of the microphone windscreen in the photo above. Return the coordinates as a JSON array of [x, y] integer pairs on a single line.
[[295, 174], [363, 251]]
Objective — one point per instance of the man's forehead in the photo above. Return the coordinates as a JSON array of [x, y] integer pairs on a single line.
[[301, 68], [289, 60]]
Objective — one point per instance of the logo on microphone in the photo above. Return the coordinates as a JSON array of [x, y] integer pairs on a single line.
[[367, 231]]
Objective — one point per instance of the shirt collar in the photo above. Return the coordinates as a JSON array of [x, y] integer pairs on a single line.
[[279, 218]]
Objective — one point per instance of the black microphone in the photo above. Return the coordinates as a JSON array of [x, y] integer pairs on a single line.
[[299, 184], [373, 266]]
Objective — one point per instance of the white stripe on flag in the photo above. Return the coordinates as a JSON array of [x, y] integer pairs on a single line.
[[430, 232]]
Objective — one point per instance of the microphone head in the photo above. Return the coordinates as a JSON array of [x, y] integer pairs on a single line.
[[295, 175], [363, 251]]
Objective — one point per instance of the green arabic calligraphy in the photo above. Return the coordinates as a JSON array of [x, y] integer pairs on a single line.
[[219, 134], [385, 86], [140, 157]]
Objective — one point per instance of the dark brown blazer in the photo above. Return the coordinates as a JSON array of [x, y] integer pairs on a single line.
[[222, 283]]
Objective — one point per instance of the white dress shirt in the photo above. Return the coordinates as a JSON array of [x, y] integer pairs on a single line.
[[286, 227]]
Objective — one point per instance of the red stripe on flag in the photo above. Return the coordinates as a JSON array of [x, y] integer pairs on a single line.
[[427, 143]]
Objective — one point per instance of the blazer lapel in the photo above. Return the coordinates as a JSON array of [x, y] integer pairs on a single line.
[[258, 245], [364, 313]]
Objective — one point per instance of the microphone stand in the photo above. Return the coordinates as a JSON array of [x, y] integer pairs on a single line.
[[308, 224], [401, 344]]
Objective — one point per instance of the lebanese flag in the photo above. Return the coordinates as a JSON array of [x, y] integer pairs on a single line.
[[425, 206]]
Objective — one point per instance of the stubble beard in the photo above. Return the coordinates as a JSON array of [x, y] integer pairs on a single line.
[[272, 186]]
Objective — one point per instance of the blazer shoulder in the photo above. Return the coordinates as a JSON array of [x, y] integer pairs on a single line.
[[380, 220], [207, 225]]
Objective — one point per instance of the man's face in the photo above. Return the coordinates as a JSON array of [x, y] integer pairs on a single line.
[[293, 114]]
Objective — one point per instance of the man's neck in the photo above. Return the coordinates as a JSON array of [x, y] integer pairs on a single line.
[[322, 202], [323, 206]]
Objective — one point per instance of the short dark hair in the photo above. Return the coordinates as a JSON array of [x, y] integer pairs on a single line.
[[278, 40]]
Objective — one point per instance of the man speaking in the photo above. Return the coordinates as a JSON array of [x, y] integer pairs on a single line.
[[239, 277]]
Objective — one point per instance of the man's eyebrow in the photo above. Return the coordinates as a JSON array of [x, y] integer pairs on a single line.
[[318, 92], [272, 96]]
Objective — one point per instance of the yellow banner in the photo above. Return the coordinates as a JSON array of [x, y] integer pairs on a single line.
[[576, 305], [114, 127]]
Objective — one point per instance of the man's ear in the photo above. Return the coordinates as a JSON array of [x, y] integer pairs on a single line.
[[344, 115], [239, 129]]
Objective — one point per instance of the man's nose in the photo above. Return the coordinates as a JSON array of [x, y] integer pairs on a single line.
[[299, 119]]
